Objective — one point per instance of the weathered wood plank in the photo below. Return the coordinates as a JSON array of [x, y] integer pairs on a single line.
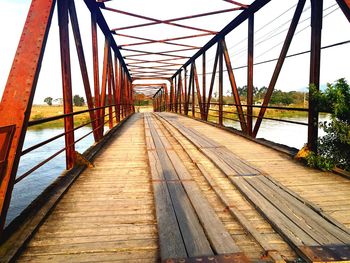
[[218, 236], [192, 233]]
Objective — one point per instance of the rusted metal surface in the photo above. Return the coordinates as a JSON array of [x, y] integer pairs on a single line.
[[321, 254], [315, 59], [178, 19], [62, 7], [6, 136], [95, 69], [254, 7], [212, 79], [82, 63], [221, 85], [156, 20], [19, 91], [279, 64], [250, 82], [104, 84], [233, 86], [228, 258]]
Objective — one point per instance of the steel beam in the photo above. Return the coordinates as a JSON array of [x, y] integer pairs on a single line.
[[19, 92], [250, 85], [221, 85], [62, 7], [96, 70], [83, 68], [204, 83], [233, 86], [315, 62], [199, 96], [279, 64], [178, 19], [212, 80], [94, 9], [244, 15]]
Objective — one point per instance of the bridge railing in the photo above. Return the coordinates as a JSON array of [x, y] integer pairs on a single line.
[[111, 87], [192, 90]]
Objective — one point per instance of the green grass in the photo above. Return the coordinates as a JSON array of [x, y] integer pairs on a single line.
[[39, 112]]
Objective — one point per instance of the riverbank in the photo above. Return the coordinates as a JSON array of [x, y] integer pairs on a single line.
[[43, 111]]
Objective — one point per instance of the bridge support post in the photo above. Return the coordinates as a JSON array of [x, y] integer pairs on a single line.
[[19, 92], [315, 59], [250, 75], [221, 84], [63, 20]]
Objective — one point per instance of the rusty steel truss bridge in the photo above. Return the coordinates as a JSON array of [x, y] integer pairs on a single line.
[[172, 185]]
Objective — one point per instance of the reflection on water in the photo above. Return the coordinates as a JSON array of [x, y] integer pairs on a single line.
[[289, 134], [30, 187]]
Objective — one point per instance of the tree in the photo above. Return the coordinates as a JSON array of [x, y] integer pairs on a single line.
[[334, 147], [48, 100], [78, 101]]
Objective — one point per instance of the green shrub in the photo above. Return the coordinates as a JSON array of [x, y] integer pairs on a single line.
[[334, 147]]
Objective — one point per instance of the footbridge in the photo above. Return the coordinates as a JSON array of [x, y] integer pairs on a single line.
[[174, 182]]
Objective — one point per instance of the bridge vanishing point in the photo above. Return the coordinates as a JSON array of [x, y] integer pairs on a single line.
[[175, 184]]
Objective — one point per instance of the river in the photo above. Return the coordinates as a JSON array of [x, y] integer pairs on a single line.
[[28, 189]]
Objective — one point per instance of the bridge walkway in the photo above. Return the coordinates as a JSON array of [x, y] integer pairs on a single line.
[[168, 186]]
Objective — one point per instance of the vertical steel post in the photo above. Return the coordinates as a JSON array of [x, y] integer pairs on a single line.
[[181, 91], [117, 89], [192, 85], [110, 101], [204, 85], [186, 100], [250, 85], [221, 85], [176, 91], [95, 69], [17, 98], [315, 60], [62, 7]]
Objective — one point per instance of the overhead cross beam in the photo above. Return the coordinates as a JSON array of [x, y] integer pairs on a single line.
[[243, 16], [178, 19], [163, 41], [155, 20]]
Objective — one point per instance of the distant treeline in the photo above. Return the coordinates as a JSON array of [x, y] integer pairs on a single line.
[[278, 97]]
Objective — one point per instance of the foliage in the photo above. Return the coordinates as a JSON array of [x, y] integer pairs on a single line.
[[78, 101], [335, 145], [314, 160], [48, 100]]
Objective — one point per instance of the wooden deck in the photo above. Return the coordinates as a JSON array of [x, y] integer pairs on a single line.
[[168, 186]]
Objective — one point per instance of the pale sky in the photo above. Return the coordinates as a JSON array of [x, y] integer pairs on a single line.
[[294, 75]]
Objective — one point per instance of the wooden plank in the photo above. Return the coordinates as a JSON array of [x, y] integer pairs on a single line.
[[270, 249], [293, 234], [218, 236], [241, 167], [290, 211], [219, 163], [308, 214], [311, 205], [169, 231], [193, 235], [131, 256]]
